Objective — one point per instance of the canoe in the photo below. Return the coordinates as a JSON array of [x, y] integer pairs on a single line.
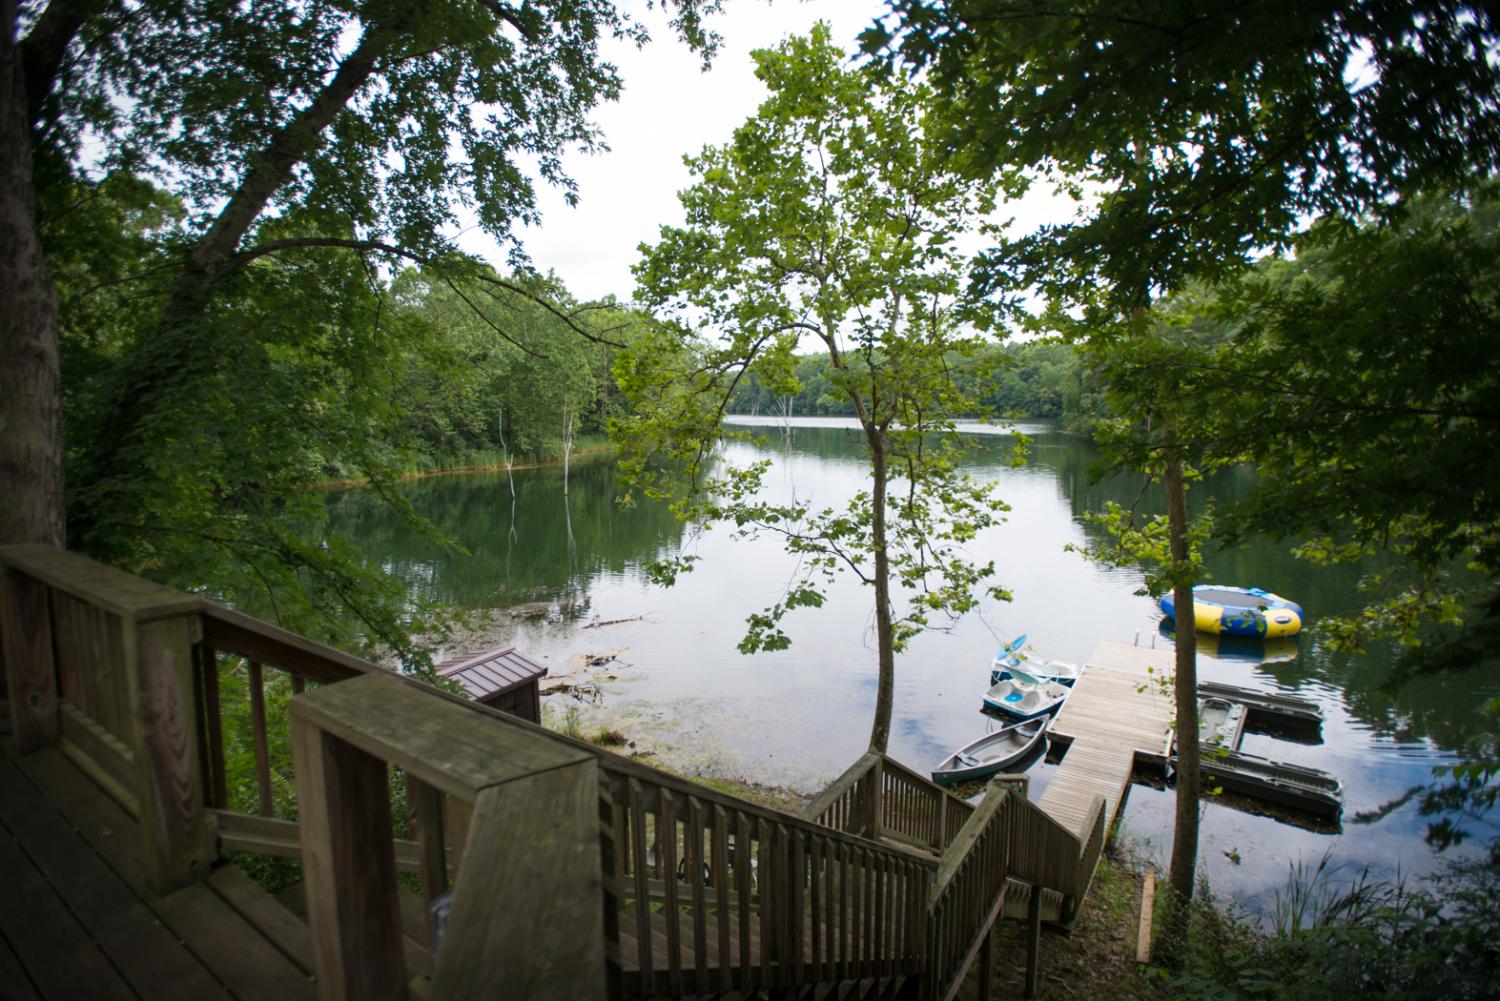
[[994, 752], [1239, 611], [1022, 696]]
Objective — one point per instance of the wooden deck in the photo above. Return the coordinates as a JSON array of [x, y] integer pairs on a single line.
[[79, 921], [1117, 711]]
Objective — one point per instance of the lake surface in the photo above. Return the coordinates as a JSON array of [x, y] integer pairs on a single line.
[[798, 717]]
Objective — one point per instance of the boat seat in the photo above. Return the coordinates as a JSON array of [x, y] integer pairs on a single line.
[[968, 760]]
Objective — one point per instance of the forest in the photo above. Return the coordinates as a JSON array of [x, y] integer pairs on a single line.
[[230, 276]]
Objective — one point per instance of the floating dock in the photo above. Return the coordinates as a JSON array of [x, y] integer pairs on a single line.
[[1117, 712]]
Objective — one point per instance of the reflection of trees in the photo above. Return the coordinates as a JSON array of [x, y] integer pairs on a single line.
[[536, 563], [1443, 708]]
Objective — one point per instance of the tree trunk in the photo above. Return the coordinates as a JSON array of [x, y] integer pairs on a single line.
[[885, 689], [30, 387], [1189, 777], [567, 445]]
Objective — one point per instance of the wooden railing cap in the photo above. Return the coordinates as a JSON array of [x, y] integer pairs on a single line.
[[452, 746], [116, 591]]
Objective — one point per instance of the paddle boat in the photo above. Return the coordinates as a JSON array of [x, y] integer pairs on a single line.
[[1239, 611], [1024, 696], [1016, 655], [994, 752]]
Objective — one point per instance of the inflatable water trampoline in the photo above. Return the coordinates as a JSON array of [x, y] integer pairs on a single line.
[[1240, 611]]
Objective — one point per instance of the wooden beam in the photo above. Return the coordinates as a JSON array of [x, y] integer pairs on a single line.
[[533, 872], [235, 632], [1143, 931], [352, 907], [31, 675]]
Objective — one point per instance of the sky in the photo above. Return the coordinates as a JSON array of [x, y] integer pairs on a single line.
[[669, 108]]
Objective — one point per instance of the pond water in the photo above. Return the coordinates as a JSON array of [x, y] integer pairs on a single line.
[[798, 717]]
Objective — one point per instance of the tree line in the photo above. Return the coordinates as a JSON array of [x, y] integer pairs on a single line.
[[1040, 379]]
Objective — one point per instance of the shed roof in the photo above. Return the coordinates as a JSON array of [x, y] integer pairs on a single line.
[[492, 673]]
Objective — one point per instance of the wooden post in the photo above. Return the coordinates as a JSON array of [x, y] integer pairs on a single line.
[[31, 675], [176, 834], [987, 962], [217, 780], [1033, 938], [540, 881], [352, 906], [427, 819], [875, 779]]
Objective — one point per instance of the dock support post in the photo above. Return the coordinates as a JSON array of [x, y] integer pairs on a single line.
[[1033, 939]]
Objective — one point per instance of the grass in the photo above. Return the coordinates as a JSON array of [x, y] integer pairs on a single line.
[[484, 460], [1096, 961]]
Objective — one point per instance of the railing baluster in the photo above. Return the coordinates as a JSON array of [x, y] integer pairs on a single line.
[[744, 874], [262, 741], [666, 841], [218, 795], [721, 890], [815, 906], [769, 900], [642, 886], [695, 860]]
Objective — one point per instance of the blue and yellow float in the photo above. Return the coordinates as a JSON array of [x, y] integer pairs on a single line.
[[1240, 611]]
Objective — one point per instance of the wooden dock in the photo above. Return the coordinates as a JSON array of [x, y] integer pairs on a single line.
[[1117, 711]]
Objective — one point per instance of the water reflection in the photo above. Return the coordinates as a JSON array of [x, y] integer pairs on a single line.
[[798, 717]]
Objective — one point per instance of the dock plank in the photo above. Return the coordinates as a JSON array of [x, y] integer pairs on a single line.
[[1117, 709]]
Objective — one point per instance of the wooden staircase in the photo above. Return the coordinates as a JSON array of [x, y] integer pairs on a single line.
[[565, 870]]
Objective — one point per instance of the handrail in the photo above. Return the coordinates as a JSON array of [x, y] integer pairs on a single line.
[[968, 890], [835, 806]]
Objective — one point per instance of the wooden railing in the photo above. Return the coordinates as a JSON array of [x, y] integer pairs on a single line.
[[658, 886], [878, 797], [917, 811], [765, 900], [967, 892]]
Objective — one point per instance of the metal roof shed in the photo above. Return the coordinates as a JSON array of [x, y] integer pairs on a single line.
[[500, 678]]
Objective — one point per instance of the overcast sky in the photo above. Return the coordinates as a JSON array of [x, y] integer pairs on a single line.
[[670, 108]]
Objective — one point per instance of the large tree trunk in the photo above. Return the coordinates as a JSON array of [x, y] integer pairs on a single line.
[[885, 689], [30, 393], [1189, 780]]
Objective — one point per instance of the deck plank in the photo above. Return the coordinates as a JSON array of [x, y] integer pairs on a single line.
[[55, 950], [232, 949], [148, 956]]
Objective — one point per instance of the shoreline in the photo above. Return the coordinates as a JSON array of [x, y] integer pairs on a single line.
[[364, 481]]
